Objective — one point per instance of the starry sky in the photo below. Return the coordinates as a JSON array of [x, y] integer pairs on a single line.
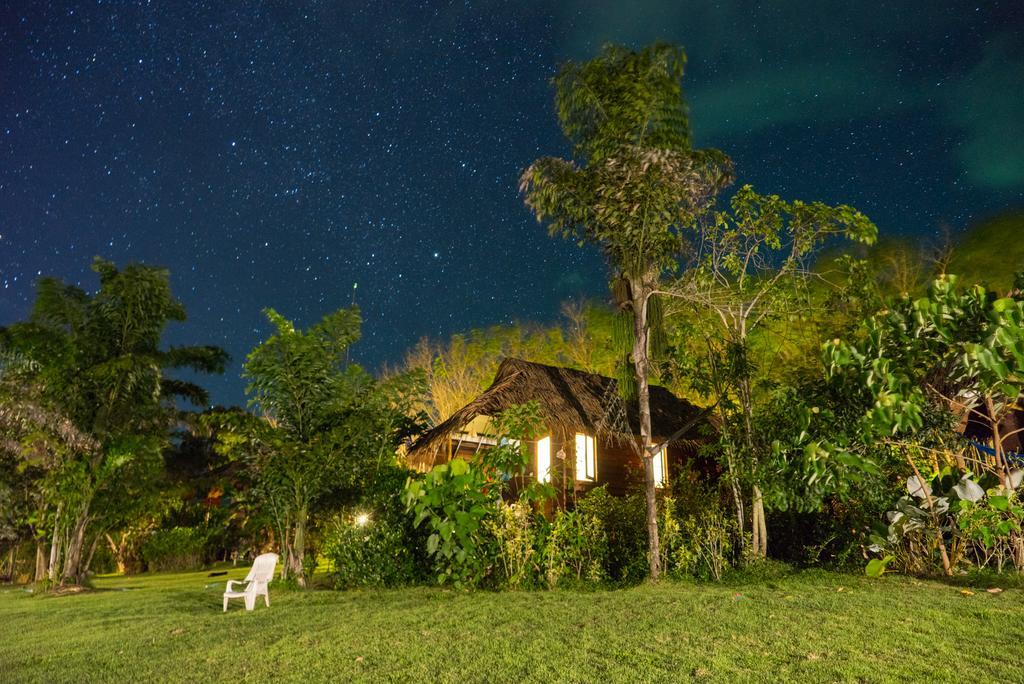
[[274, 154]]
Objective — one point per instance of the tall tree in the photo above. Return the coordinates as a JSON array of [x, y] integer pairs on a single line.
[[326, 425], [102, 370], [633, 187], [752, 270]]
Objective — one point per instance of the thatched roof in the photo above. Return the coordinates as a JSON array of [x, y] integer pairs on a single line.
[[570, 401]]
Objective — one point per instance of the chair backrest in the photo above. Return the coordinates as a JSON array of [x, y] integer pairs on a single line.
[[262, 568]]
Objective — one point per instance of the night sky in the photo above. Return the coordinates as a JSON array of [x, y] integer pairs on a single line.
[[274, 154]]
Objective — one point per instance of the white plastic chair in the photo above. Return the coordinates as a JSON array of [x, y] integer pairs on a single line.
[[257, 579]]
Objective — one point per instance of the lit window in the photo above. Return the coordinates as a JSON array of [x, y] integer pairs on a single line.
[[586, 458], [660, 469], [544, 460]]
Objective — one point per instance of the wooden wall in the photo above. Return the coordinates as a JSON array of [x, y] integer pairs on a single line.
[[618, 466]]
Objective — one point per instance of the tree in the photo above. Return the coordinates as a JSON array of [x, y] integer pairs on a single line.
[[752, 269], [458, 369], [634, 187], [958, 352], [102, 387], [326, 425]]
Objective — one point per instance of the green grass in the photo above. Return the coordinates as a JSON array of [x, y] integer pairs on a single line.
[[810, 626]]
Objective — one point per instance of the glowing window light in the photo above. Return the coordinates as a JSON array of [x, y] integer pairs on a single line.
[[544, 460], [586, 458], [660, 469]]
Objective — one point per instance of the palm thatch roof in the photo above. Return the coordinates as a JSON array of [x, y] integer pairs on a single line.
[[570, 401]]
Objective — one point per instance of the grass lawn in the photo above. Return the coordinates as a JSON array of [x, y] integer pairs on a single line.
[[808, 626]]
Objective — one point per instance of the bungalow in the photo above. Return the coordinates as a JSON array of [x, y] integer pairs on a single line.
[[592, 434]]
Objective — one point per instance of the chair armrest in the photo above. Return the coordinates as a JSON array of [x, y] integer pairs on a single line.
[[230, 582]]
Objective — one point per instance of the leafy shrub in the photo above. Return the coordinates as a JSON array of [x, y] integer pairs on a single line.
[[993, 526], [453, 500], [374, 544], [456, 498], [623, 520], [576, 548], [670, 533], [706, 547], [515, 534], [370, 548], [958, 518], [177, 548]]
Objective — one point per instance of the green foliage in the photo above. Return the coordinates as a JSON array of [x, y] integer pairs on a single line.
[[623, 97], [456, 498], [697, 538], [328, 431], [876, 566], [955, 349], [993, 526], [299, 377], [575, 548], [747, 286], [99, 403], [804, 435], [373, 543], [176, 548], [453, 499], [991, 251], [708, 546], [635, 206], [622, 521], [900, 347], [372, 549], [515, 531], [974, 517]]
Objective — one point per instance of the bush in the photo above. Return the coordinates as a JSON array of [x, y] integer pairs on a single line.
[[516, 536], [374, 544], [576, 548], [623, 521], [706, 547], [369, 549], [177, 548], [457, 500], [993, 527]]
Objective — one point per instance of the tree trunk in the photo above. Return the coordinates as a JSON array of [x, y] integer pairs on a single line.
[[51, 572], [40, 561], [640, 365], [758, 527], [758, 523], [946, 565], [118, 551], [737, 497], [11, 557], [299, 548], [730, 456], [997, 441], [76, 542], [92, 552]]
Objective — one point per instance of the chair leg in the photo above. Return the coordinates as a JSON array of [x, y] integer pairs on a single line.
[[225, 604], [266, 597], [250, 602]]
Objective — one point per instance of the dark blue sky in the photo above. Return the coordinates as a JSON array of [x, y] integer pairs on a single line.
[[274, 154]]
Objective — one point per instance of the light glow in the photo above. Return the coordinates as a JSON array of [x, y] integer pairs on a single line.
[[660, 469], [544, 459], [362, 519], [586, 458]]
